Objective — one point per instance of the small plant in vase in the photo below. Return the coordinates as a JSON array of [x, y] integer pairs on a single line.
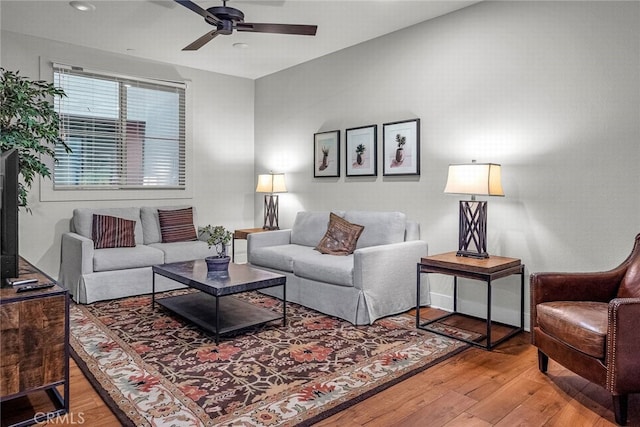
[[360, 149], [218, 237], [401, 140]]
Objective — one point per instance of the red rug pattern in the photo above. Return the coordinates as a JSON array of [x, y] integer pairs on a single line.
[[157, 369]]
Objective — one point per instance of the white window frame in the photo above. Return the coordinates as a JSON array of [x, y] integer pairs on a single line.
[[49, 193]]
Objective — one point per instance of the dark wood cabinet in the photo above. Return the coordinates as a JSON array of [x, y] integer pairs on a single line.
[[34, 344]]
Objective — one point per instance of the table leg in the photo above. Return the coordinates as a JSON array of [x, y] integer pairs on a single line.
[[217, 320], [489, 314], [418, 297], [522, 299], [67, 383], [455, 294], [284, 304], [153, 290]]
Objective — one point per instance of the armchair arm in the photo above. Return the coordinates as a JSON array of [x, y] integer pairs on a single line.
[[623, 346], [387, 276], [601, 286], [271, 238], [76, 259]]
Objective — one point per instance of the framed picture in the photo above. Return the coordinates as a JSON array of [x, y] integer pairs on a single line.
[[362, 146], [401, 148], [326, 154]]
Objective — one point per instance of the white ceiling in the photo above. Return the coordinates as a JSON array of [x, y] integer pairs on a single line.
[[159, 29]]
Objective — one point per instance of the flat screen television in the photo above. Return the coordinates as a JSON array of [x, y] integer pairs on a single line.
[[9, 168]]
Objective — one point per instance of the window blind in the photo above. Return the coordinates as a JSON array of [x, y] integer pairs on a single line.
[[124, 132]]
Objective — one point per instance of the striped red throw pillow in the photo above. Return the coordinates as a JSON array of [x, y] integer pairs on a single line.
[[177, 225], [113, 232]]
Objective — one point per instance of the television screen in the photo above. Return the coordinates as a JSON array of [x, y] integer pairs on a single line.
[[9, 167]]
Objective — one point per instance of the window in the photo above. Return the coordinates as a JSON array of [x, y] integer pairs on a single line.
[[124, 133]]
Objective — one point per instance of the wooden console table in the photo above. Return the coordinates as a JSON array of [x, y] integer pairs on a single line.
[[487, 270], [35, 344]]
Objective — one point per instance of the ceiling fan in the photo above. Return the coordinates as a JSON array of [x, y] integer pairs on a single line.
[[226, 19]]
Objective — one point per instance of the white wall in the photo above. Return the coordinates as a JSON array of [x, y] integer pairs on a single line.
[[551, 90], [220, 145]]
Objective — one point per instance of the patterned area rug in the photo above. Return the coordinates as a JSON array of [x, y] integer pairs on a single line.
[[154, 369]]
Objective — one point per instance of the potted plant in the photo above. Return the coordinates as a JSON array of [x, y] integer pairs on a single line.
[[218, 237], [30, 123], [401, 140], [360, 149]]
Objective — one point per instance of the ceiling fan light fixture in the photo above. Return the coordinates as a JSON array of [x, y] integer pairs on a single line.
[[82, 6]]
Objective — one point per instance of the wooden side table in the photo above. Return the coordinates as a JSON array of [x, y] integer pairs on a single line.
[[487, 270], [242, 234], [35, 344]]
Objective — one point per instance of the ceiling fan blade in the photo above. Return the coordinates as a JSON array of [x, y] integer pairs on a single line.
[[202, 41], [197, 9], [302, 30]]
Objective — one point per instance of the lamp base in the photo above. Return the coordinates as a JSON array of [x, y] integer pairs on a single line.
[[270, 212], [472, 238], [478, 255]]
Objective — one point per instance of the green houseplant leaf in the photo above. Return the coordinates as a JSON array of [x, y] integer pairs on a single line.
[[29, 122]]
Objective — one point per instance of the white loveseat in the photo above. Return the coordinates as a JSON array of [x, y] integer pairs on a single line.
[[101, 274], [377, 280]]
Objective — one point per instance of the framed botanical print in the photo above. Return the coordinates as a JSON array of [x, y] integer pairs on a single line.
[[401, 148], [362, 146], [326, 154]]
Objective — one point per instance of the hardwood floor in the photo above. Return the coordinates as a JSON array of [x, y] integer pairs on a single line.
[[87, 408], [474, 388], [498, 388]]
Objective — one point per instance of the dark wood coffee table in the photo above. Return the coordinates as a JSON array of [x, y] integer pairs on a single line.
[[214, 308]]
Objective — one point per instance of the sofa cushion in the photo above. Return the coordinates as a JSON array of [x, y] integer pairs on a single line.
[[184, 251], [341, 237], [82, 221], [124, 258], [176, 225], [580, 324], [337, 270], [309, 227], [278, 257], [113, 232], [380, 228], [151, 222]]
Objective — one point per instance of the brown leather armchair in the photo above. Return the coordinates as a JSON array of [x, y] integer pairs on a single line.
[[590, 324]]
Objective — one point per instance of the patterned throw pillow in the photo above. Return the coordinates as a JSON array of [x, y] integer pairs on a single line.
[[341, 237], [112, 232], [177, 225]]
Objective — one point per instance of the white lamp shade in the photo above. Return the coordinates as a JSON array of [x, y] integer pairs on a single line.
[[271, 183], [483, 179]]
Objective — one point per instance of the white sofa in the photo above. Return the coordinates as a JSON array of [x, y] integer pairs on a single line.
[[377, 280], [101, 274]]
